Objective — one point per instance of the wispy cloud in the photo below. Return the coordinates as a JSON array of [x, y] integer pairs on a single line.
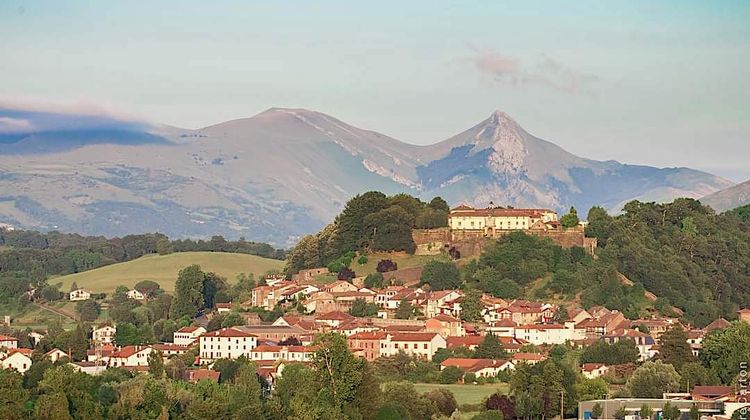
[[10, 125], [542, 71]]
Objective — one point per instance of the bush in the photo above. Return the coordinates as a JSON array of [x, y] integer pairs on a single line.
[[362, 260], [374, 280], [385, 266], [470, 378], [450, 375], [488, 415], [346, 274]]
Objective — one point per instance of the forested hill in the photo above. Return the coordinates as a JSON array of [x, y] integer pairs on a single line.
[[681, 251], [33, 256]]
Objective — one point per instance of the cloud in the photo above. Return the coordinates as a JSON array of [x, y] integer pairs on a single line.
[[10, 125], [542, 71], [80, 106]]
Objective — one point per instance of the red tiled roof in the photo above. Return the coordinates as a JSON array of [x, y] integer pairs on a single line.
[[528, 356], [334, 316], [466, 341], [369, 335], [168, 347], [472, 365], [590, 367], [199, 374], [24, 351], [187, 329], [7, 338], [445, 318], [227, 332], [413, 336], [498, 212], [542, 327], [128, 351]]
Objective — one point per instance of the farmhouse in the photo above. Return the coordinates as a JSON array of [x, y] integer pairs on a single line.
[[79, 294]]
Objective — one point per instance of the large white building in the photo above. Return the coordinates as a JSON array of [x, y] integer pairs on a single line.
[[186, 336], [226, 343], [104, 335], [422, 345], [18, 359], [493, 219]]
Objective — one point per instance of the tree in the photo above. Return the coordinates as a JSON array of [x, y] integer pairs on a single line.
[[88, 310], [675, 349], [346, 274], [360, 308], [726, 349], [624, 351], [405, 309], [164, 247], [652, 379], [245, 394], [487, 415], [338, 371], [149, 288], [450, 375], [374, 281], [444, 400], [597, 411], [404, 394], [694, 413], [385, 266], [232, 319], [12, 395], [571, 219], [693, 374], [646, 411], [441, 275], [501, 403], [471, 306], [437, 203], [188, 298], [490, 348], [156, 364], [592, 389], [620, 413], [670, 412]]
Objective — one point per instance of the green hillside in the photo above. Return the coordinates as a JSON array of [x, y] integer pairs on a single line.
[[163, 269]]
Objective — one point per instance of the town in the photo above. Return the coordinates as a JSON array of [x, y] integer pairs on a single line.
[[462, 336]]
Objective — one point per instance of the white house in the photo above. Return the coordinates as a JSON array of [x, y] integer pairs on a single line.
[[186, 336], [226, 343], [288, 353], [545, 333], [422, 345], [56, 354], [79, 294], [484, 368], [130, 356], [8, 342], [593, 370], [134, 294], [18, 359], [104, 334], [90, 368]]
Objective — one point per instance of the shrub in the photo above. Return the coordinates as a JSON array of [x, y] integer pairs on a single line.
[[385, 266]]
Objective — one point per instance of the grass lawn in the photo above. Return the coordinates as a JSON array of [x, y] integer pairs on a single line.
[[163, 269], [403, 260], [467, 394]]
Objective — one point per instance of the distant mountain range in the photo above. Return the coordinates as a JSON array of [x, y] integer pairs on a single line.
[[287, 172], [730, 198]]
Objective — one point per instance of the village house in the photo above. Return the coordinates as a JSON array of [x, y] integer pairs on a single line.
[[421, 345], [593, 370], [382, 296], [79, 294], [482, 368], [718, 324], [320, 302], [643, 341], [437, 301], [539, 334], [743, 315], [523, 313], [223, 308], [502, 328], [101, 353], [186, 336], [135, 294], [309, 275], [601, 324], [367, 344], [274, 333], [528, 358], [578, 315], [445, 325], [104, 334], [339, 286], [90, 368], [196, 375], [7, 342], [130, 356], [56, 354], [333, 319], [169, 349], [355, 326], [287, 353], [226, 343], [17, 359]]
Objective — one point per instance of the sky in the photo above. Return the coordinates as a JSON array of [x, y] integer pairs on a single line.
[[659, 83]]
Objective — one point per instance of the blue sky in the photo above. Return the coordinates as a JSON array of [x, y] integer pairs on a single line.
[[661, 83]]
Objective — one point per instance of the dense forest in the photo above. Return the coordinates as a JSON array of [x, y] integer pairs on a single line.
[[370, 221], [681, 251]]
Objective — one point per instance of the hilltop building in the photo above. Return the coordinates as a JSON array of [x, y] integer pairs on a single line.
[[491, 220]]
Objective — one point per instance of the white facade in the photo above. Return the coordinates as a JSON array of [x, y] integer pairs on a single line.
[[104, 335], [288, 353], [546, 334], [131, 356], [134, 294], [8, 342], [18, 361], [186, 336], [79, 294], [422, 345], [226, 343]]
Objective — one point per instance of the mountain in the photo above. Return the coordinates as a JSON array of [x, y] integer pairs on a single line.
[[286, 172], [730, 198]]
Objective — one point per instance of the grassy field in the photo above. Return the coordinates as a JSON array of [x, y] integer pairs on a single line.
[[402, 259], [163, 269], [467, 394], [35, 317]]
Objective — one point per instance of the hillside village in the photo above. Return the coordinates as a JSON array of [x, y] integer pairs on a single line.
[[400, 317]]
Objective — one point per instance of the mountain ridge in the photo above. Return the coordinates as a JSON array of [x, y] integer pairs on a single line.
[[285, 172]]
